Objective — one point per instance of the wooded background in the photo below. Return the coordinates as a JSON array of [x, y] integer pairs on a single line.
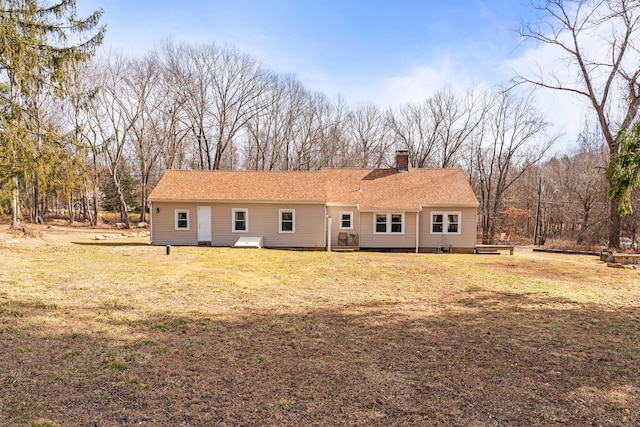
[[85, 131]]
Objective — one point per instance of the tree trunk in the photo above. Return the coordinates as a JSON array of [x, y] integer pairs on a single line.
[[15, 206], [583, 230], [35, 207], [614, 220], [614, 225], [86, 209], [95, 207], [124, 213], [143, 208], [487, 220], [72, 211]]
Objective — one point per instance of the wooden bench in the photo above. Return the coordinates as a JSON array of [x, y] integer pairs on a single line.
[[626, 258], [493, 249], [487, 251]]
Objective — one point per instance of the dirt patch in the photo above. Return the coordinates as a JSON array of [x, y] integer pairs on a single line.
[[118, 333], [58, 233]]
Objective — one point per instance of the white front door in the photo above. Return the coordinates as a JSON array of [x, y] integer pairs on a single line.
[[204, 224]]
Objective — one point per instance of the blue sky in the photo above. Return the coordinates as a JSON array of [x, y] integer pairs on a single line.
[[383, 51]]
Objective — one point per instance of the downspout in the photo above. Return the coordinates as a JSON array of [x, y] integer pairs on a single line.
[[418, 228], [359, 225], [150, 223], [328, 233]]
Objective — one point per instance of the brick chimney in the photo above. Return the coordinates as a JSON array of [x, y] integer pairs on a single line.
[[402, 160]]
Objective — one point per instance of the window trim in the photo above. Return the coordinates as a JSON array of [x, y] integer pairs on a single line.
[[234, 220], [176, 216], [389, 223], [350, 213], [445, 222], [293, 221]]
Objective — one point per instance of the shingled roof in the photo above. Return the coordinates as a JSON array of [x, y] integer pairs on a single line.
[[370, 189], [374, 189], [225, 186]]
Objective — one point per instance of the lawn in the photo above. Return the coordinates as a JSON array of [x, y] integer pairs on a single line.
[[116, 332]]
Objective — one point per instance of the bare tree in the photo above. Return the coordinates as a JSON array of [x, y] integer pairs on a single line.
[[599, 42], [586, 182], [171, 124], [414, 127], [274, 127], [369, 136], [188, 73], [238, 80], [318, 139], [75, 110], [335, 146], [574, 195], [458, 118], [437, 131], [511, 140], [301, 151], [114, 113], [167, 125], [220, 88], [324, 139], [143, 84]]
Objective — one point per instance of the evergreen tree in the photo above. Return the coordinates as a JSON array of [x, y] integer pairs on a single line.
[[110, 196], [39, 42], [624, 169]]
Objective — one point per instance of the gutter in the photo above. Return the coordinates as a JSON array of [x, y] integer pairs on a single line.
[[236, 201], [449, 205]]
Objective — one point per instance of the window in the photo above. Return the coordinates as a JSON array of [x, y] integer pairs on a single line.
[[389, 224], [287, 221], [396, 223], [182, 219], [445, 223], [381, 223], [346, 220], [453, 223], [240, 220], [437, 222]]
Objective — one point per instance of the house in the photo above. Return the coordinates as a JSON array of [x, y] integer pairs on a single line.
[[401, 208]]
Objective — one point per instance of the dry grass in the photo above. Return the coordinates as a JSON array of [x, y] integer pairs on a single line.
[[116, 333]]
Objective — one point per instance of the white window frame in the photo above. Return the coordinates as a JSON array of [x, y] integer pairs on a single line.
[[445, 222], [233, 220], [177, 220], [388, 223], [350, 213], [293, 221]]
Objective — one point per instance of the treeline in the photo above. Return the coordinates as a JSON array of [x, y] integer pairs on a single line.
[[105, 132], [568, 196]]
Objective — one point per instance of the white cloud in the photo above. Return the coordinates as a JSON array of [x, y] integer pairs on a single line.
[[422, 82], [564, 110]]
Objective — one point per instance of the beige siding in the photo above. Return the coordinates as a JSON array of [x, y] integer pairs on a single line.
[[369, 239], [310, 227], [163, 230], [263, 220], [465, 240], [335, 211]]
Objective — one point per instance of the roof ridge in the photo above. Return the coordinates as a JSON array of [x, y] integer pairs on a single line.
[[238, 171]]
